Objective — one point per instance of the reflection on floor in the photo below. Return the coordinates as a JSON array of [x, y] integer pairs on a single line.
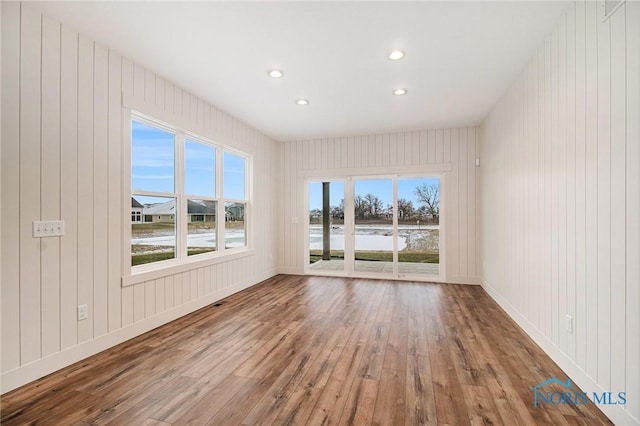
[[378, 267]]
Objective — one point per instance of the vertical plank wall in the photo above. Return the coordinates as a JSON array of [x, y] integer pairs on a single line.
[[454, 150], [62, 151], [561, 200]]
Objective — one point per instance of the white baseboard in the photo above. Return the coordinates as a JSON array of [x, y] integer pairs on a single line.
[[449, 280], [463, 280], [29, 372], [290, 271], [616, 413]]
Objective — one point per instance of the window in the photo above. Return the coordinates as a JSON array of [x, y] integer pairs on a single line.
[[136, 215], [178, 184], [235, 234], [200, 187], [153, 188]]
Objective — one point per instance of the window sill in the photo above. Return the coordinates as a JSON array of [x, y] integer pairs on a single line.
[[187, 265]]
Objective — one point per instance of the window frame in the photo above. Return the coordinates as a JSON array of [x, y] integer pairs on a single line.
[[244, 201], [182, 261]]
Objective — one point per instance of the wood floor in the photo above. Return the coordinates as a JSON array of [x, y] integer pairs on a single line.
[[313, 350]]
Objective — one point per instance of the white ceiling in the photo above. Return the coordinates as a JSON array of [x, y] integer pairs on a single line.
[[460, 57]]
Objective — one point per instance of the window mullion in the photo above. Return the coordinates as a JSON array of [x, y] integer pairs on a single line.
[[181, 212], [220, 226], [248, 195], [395, 226]]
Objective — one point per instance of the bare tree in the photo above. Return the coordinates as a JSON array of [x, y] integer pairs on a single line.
[[359, 205], [374, 205], [337, 212], [405, 209], [429, 195]]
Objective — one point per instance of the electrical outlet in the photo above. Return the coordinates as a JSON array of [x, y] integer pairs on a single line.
[[569, 324], [82, 312]]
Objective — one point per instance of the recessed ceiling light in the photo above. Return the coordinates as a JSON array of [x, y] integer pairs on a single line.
[[400, 92], [396, 54], [276, 74], [302, 102]]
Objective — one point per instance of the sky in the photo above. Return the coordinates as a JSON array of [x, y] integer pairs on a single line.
[[382, 188], [153, 159], [152, 169]]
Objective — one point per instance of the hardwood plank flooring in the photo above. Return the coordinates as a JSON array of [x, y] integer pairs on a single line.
[[299, 350]]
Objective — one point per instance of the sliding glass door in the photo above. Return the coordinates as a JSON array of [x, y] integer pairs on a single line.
[[326, 226], [418, 235], [373, 226], [386, 226]]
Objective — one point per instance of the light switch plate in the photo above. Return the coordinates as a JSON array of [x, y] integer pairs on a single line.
[[48, 228]]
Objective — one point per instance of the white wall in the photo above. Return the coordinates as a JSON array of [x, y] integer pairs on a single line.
[[451, 152], [62, 151], [560, 191]]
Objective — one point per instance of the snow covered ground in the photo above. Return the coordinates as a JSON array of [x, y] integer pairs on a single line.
[[368, 237], [233, 238]]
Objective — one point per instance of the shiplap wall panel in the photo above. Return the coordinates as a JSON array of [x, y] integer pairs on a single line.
[[128, 86], [100, 192], [402, 148], [562, 181], [439, 146], [472, 201], [10, 191], [50, 183], [160, 296], [177, 289], [201, 285], [617, 212], [547, 188], [30, 157], [452, 220], [64, 141], [581, 188], [554, 143], [206, 279], [169, 292], [114, 200], [139, 302], [159, 90], [561, 184], [193, 284], [632, 198], [591, 224], [393, 152], [69, 188], [431, 146], [571, 172], [358, 155], [604, 198], [85, 184], [462, 197], [538, 147], [149, 298], [562, 144]]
